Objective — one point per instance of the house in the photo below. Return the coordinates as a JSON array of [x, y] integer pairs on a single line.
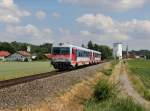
[[34, 56], [3, 55], [20, 56], [48, 56]]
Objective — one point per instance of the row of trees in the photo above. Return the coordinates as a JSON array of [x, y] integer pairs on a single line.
[[17, 46], [46, 48], [142, 53], [105, 50]]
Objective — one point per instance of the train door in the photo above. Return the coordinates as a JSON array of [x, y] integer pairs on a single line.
[[93, 57], [90, 56], [74, 54]]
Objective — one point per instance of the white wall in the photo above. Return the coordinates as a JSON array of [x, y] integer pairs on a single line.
[[17, 57], [2, 58], [117, 50]]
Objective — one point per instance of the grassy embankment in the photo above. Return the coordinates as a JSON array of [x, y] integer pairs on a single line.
[[139, 71], [109, 70], [106, 97], [10, 70]]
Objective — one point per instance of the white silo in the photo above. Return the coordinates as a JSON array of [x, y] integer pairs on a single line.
[[117, 50], [28, 48]]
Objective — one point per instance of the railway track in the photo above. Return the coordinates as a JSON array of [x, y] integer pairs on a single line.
[[16, 81], [30, 90], [12, 82]]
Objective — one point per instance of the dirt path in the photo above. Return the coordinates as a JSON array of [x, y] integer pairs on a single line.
[[127, 88]]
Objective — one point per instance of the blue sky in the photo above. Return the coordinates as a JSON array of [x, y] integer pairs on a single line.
[[76, 21]]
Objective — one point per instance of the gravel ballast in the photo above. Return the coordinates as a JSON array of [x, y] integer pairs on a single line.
[[33, 92]]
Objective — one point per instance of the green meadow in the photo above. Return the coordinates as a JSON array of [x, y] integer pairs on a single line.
[[10, 70], [140, 75], [142, 69]]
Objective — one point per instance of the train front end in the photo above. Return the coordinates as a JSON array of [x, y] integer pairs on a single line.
[[61, 58]]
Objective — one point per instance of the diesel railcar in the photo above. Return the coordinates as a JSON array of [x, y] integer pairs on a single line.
[[65, 56]]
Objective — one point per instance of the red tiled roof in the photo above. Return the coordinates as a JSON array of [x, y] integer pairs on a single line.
[[49, 56], [4, 53], [24, 53]]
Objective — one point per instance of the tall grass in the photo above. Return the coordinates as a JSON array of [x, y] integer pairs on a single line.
[[109, 71], [113, 104], [140, 76], [102, 90], [105, 99]]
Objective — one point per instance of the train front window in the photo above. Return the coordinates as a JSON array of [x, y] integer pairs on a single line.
[[61, 50]]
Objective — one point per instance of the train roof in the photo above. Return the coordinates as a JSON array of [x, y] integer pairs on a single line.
[[70, 45]]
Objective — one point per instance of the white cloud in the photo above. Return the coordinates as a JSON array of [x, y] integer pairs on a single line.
[[56, 15], [99, 21], [10, 13], [85, 33], [64, 31], [117, 5], [40, 15], [106, 27], [28, 33]]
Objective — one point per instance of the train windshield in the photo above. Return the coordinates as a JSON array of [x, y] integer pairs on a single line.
[[61, 50]]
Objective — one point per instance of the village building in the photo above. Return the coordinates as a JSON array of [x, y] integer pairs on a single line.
[[4, 55], [34, 56], [48, 56], [20, 56]]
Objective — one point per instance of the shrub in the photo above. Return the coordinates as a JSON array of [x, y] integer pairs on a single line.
[[147, 94], [102, 90], [107, 72]]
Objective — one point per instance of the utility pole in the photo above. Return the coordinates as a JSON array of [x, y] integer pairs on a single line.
[[127, 52]]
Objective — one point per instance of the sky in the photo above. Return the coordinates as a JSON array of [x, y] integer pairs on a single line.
[[76, 22]]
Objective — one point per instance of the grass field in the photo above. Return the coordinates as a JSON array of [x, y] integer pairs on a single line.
[[9, 70], [140, 72], [142, 69]]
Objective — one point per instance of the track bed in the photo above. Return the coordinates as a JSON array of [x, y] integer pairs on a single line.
[[37, 90]]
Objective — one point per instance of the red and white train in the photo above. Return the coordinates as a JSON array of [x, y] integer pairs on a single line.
[[65, 56]]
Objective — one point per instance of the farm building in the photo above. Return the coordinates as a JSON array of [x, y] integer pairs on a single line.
[[34, 56], [48, 56], [3, 55], [117, 50], [20, 56]]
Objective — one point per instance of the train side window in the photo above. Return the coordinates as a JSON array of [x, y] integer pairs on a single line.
[[77, 53]]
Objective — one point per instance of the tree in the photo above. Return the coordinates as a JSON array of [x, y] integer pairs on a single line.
[[83, 45], [46, 48], [96, 47], [13, 47], [90, 45], [23, 47], [5, 46], [105, 50], [148, 55]]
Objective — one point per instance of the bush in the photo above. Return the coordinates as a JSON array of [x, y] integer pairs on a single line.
[[147, 94], [107, 72], [102, 90]]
